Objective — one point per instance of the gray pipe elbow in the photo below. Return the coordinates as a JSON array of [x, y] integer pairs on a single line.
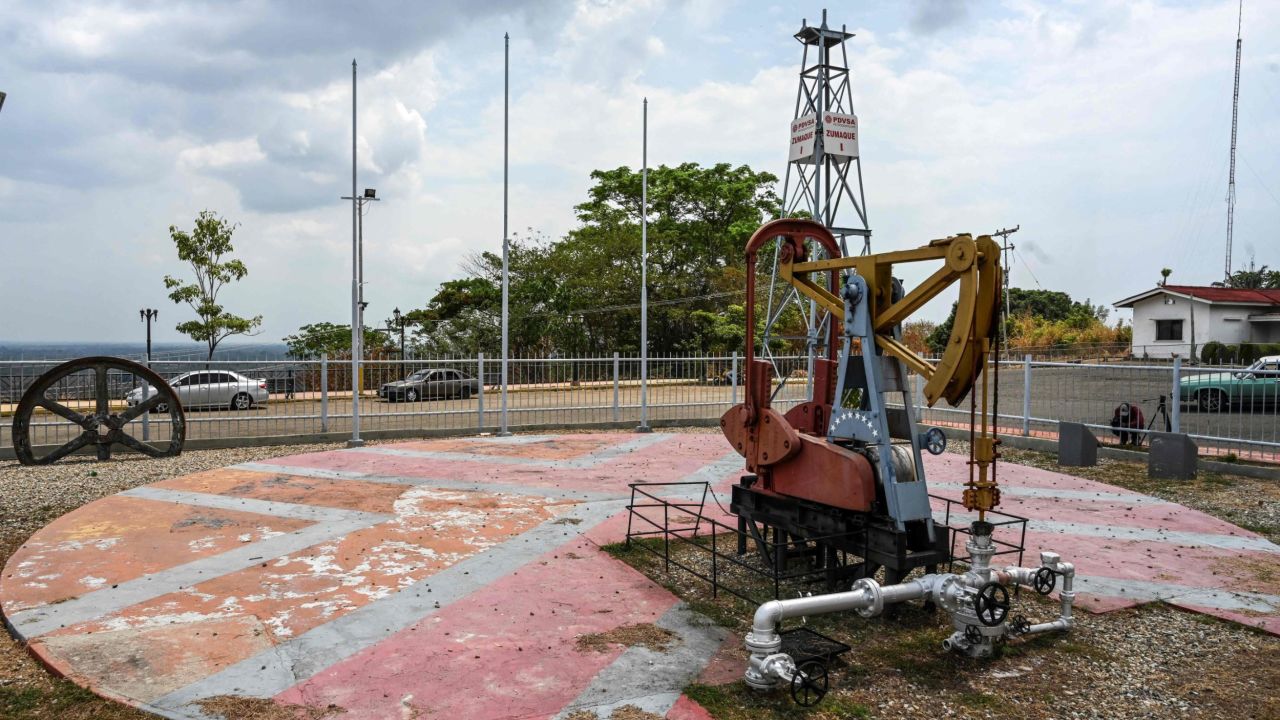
[[767, 618]]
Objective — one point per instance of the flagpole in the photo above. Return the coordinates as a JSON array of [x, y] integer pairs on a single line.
[[644, 271], [506, 285]]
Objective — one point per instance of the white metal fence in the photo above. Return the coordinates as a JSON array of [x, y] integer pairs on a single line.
[[314, 397]]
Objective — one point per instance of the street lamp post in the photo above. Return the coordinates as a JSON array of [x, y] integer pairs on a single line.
[[399, 319], [357, 326], [146, 315]]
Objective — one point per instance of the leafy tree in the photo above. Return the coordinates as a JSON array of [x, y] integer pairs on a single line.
[[1045, 306], [325, 338], [580, 294], [915, 334], [204, 249], [1164, 276], [1262, 278]]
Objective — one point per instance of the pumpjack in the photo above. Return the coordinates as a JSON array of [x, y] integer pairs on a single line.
[[844, 467]]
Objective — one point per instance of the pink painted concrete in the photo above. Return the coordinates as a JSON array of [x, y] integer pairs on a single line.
[[509, 651]]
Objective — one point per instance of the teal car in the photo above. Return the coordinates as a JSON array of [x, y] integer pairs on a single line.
[[1257, 386]]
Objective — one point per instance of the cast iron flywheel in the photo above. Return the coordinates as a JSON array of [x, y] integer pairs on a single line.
[[102, 426]]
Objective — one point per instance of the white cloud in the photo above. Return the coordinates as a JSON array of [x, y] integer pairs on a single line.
[[1100, 128], [222, 154]]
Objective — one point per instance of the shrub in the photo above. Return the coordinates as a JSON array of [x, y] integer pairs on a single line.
[[1213, 353]]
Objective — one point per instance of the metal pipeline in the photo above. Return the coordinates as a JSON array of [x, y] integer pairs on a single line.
[[1026, 578], [956, 593], [767, 665]]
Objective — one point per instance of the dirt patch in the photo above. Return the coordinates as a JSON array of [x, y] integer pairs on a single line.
[[637, 634], [234, 707], [203, 521], [626, 712], [568, 521], [631, 712]]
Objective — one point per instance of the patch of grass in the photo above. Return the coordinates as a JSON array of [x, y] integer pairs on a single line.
[[62, 700], [979, 700], [736, 701], [236, 707]]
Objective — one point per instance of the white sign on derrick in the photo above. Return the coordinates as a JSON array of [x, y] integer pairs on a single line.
[[802, 138], [840, 135]]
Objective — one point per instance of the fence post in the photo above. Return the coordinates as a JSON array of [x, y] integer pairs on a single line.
[[733, 379], [1175, 397], [617, 414], [146, 416], [480, 395], [1026, 395], [324, 393]]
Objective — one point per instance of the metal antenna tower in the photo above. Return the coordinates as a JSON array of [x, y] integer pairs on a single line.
[[1231, 181], [824, 170], [824, 180]]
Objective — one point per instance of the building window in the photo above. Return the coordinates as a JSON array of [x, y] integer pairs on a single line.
[[1168, 330]]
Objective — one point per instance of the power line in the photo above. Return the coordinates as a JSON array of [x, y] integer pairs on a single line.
[[1027, 265]]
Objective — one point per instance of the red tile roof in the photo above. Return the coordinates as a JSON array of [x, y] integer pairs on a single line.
[[1225, 294]]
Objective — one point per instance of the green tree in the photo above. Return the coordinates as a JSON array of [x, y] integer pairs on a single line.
[[325, 338], [580, 294], [1046, 305], [205, 248], [1262, 278]]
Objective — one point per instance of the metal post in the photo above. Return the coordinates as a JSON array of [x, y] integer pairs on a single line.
[[480, 394], [1175, 396], [506, 94], [1026, 395], [733, 379], [148, 315], [355, 440], [644, 272], [617, 414], [324, 393]]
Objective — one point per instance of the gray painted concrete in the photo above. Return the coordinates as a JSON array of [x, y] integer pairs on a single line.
[[652, 680]]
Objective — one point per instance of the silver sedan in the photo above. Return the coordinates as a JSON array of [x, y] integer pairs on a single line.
[[210, 389]]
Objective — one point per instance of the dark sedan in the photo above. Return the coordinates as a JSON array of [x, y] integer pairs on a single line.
[[430, 384]]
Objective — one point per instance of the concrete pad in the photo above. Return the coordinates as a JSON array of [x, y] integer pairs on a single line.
[[455, 576]]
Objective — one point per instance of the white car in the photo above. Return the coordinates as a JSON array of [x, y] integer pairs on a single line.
[[211, 389]]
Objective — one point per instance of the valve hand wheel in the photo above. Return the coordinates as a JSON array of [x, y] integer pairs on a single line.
[[991, 604], [972, 634], [935, 441], [1044, 581], [1020, 625], [79, 392], [809, 684]]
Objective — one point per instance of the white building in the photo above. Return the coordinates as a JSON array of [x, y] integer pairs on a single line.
[[1179, 319]]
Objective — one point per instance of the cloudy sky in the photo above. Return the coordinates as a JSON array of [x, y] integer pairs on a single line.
[[1102, 128]]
